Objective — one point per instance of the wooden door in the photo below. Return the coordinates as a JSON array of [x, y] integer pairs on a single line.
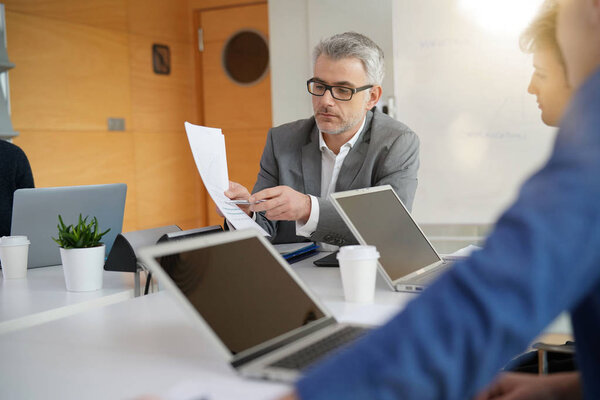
[[241, 110]]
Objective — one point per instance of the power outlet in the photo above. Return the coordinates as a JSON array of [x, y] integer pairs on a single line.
[[116, 124]]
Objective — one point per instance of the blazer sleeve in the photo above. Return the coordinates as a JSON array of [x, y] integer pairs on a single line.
[[399, 168], [268, 176]]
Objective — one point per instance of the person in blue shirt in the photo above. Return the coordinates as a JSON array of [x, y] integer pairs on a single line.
[[549, 85], [543, 257]]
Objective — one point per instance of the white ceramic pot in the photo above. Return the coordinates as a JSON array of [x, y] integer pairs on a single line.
[[83, 268]]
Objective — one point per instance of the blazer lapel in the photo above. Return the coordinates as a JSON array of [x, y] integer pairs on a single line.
[[355, 158], [311, 164]]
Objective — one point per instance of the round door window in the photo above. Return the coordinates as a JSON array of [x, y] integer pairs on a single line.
[[246, 57]]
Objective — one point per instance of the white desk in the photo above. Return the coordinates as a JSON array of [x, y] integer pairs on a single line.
[[147, 345], [326, 283], [140, 346], [43, 297]]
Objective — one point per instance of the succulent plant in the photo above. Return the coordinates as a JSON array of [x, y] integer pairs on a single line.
[[79, 236]]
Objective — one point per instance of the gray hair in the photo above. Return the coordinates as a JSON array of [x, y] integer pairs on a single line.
[[352, 44]]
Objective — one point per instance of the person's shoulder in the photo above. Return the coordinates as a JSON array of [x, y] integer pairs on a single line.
[[9, 149], [383, 125], [295, 131]]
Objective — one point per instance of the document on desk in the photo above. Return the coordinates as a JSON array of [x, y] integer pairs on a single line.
[[218, 386], [208, 148]]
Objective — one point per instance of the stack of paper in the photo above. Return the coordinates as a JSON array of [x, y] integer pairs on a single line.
[[208, 148]]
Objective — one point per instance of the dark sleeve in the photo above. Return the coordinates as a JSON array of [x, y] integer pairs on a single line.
[[24, 176]]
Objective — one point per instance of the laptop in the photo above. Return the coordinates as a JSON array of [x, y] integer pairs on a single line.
[[236, 286], [35, 214], [376, 216]]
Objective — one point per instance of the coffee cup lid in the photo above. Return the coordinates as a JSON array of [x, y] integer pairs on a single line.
[[13, 240], [357, 252]]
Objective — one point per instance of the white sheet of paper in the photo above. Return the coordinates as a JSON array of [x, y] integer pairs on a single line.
[[215, 386], [208, 148]]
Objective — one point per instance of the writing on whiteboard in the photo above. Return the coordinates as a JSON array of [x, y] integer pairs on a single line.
[[498, 135]]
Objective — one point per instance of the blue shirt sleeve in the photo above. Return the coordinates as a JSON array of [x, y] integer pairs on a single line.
[[542, 258]]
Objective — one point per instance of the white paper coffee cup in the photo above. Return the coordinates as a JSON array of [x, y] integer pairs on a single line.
[[14, 251], [358, 267]]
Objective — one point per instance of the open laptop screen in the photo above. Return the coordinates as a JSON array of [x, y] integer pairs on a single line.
[[36, 210], [382, 221], [241, 291]]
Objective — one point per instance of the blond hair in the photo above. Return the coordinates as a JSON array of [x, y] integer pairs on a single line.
[[541, 32]]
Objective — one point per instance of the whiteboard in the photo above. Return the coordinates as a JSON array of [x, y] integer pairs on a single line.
[[461, 85]]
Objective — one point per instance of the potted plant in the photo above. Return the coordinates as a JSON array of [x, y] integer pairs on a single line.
[[82, 254]]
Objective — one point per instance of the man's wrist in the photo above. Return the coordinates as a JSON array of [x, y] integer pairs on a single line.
[[307, 208]]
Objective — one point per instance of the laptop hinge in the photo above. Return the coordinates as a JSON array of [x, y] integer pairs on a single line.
[[318, 325]]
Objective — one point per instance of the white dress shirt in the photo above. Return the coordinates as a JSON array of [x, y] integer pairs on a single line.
[[331, 164]]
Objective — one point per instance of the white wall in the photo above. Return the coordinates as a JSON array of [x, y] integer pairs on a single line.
[[462, 87], [296, 26]]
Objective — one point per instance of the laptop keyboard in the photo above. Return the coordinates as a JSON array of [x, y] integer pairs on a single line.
[[309, 354]]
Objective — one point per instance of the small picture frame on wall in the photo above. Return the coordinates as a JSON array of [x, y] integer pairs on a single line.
[[161, 59]]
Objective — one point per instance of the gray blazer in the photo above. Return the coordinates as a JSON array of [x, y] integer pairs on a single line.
[[387, 152]]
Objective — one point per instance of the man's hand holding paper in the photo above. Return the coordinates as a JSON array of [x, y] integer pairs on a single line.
[[282, 203], [208, 148]]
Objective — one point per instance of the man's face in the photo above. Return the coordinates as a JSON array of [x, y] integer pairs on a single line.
[[549, 85], [578, 34], [337, 116]]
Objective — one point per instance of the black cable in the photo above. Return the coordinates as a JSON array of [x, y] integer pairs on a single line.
[[148, 279]]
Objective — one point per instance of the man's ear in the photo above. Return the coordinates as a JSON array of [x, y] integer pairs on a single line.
[[374, 95]]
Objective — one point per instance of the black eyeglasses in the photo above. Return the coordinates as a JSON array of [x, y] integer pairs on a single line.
[[342, 93]]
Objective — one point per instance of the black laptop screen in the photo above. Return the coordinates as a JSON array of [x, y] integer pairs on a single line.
[[382, 221], [241, 291]]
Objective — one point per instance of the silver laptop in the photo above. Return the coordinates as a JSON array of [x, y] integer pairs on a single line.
[[35, 214], [240, 290], [376, 216]]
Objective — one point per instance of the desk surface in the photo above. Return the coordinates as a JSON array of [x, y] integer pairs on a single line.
[[43, 297], [144, 345], [147, 345]]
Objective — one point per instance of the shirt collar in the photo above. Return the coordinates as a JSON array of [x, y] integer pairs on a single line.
[[350, 143]]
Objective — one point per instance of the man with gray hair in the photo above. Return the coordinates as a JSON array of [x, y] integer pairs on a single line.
[[343, 146]]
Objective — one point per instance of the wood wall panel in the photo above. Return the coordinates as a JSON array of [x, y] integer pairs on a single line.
[[106, 14], [203, 4], [244, 149], [233, 111], [159, 18], [161, 102], [68, 76], [83, 158], [80, 62], [167, 181], [220, 24]]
